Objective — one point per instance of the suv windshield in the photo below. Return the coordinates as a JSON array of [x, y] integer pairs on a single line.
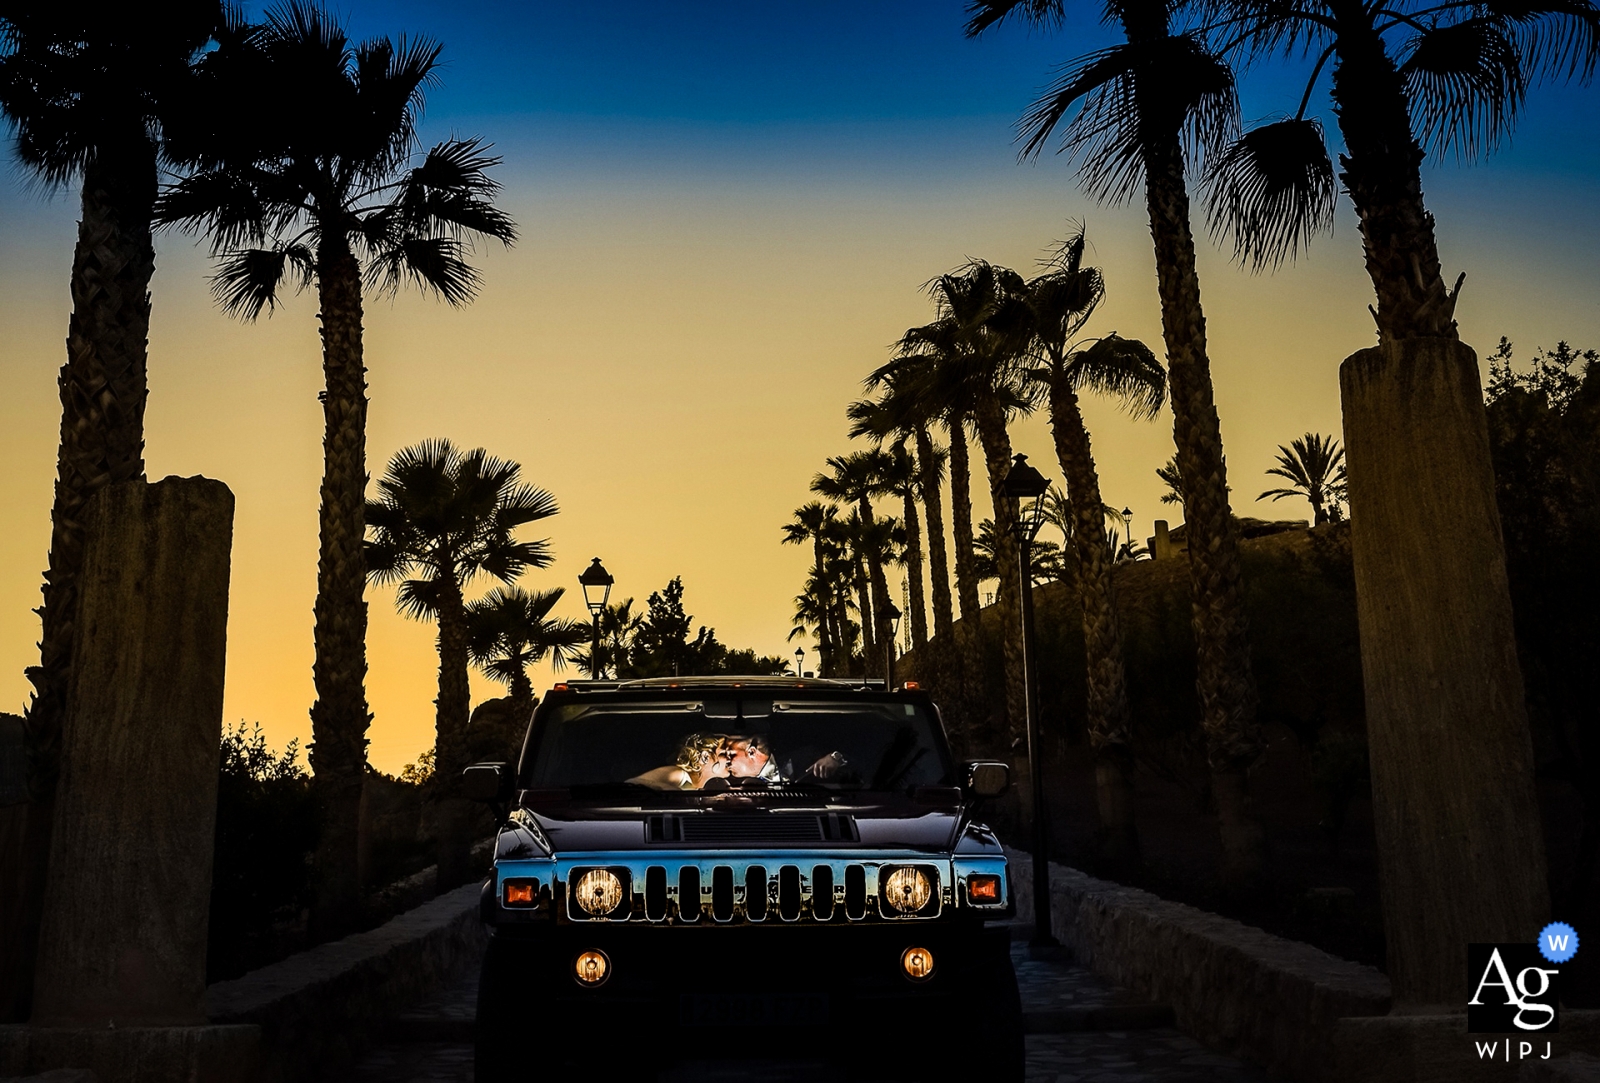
[[743, 742]]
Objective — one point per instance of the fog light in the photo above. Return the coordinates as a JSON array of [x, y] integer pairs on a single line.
[[592, 968], [521, 892], [917, 963], [983, 890]]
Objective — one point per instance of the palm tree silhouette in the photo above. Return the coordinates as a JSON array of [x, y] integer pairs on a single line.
[[976, 343], [855, 479], [443, 517], [903, 411], [1314, 465], [87, 94], [811, 522], [1060, 302], [510, 629], [1137, 103], [1437, 631], [321, 187]]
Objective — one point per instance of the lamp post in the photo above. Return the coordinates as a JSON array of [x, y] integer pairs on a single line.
[[1024, 481], [799, 661], [893, 616], [1127, 525], [596, 582]]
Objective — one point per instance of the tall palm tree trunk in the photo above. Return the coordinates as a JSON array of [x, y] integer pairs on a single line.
[[339, 717], [103, 389], [453, 708], [1110, 720], [966, 649], [825, 636], [938, 558], [863, 584], [1438, 645], [882, 639], [961, 521], [996, 443], [1224, 679], [919, 612]]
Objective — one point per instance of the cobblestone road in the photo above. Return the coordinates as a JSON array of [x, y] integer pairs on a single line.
[[1081, 1031]]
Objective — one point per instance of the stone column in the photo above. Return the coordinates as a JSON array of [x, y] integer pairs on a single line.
[[1161, 547], [1460, 848], [128, 893]]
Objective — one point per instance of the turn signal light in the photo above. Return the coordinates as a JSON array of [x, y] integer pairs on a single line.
[[983, 889], [917, 963], [522, 892], [561, 686], [591, 968], [910, 686]]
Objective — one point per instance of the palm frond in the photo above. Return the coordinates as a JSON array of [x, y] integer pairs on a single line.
[[247, 280], [983, 14], [1125, 369], [1272, 191], [435, 264], [1465, 84]]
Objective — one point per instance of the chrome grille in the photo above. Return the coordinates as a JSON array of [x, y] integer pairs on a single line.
[[807, 887]]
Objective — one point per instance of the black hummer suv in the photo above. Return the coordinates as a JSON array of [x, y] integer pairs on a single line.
[[715, 868]]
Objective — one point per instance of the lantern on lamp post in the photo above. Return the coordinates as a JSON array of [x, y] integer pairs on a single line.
[[1024, 482], [596, 583], [799, 661]]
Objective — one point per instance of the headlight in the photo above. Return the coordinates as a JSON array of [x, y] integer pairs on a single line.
[[598, 892], [907, 889]]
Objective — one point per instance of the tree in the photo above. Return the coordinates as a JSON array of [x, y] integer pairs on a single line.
[[86, 94], [977, 339], [1060, 302], [509, 630], [443, 517], [1314, 466], [1437, 628], [904, 477], [810, 523], [1133, 107], [618, 625], [662, 645], [306, 174], [855, 479]]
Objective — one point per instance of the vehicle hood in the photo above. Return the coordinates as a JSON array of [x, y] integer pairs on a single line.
[[841, 827]]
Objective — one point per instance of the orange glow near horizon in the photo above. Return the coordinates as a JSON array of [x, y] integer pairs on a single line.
[[672, 359]]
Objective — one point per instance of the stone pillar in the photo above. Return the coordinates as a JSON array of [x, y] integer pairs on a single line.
[[1460, 848], [1161, 547], [128, 893]]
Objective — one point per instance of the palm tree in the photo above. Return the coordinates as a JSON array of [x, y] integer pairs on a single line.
[[509, 629], [442, 518], [1136, 104], [1437, 637], [320, 186], [855, 479], [810, 523], [903, 477], [977, 341], [1060, 302], [86, 93], [1174, 482], [905, 410], [1315, 469], [618, 625]]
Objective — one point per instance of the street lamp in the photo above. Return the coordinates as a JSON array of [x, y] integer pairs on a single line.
[[596, 582], [799, 661], [1127, 525], [893, 616], [1022, 482]]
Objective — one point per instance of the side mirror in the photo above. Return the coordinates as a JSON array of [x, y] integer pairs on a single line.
[[988, 778], [486, 782]]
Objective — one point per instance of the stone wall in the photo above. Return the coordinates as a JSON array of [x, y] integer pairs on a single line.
[[317, 1010], [1238, 989]]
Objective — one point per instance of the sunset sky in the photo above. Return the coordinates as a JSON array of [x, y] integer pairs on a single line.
[[727, 211]]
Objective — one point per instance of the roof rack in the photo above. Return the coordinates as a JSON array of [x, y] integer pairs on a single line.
[[875, 684]]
